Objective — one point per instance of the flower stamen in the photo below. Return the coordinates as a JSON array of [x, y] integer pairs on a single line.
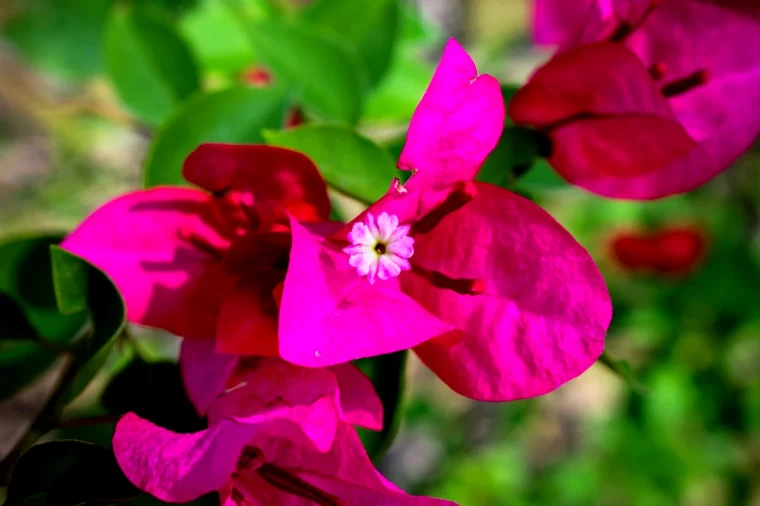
[[688, 83], [380, 248]]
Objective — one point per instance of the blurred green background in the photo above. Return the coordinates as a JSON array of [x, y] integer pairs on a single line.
[[98, 97]]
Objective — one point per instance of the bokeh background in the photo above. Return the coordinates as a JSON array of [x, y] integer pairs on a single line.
[[677, 422]]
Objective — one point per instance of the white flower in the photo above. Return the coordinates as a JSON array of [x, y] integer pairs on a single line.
[[380, 248]]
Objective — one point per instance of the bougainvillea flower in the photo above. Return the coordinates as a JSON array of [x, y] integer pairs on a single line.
[[670, 251], [646, 99], [515, 306], [208, 374], [257, 76], [207, 263], [278, 437]]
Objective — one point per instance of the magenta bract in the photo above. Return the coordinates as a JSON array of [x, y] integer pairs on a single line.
[[498, 299], [279, 434], [488, 289], [205, 264], [645, 98]]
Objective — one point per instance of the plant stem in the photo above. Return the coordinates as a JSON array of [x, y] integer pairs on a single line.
[[44, 422], [87, 421]]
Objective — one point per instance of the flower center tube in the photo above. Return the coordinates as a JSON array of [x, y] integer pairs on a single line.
[[626, 28], [380, 248]]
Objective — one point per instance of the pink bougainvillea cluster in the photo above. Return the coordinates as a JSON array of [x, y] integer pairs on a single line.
[[274, 301], [645, 98]]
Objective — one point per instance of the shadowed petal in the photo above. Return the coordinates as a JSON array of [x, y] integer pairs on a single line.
[[205, 373], [248, 317], [167, 282], [274, 177], [360, 404]]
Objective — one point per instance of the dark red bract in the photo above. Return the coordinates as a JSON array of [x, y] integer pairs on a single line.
[[671, 252]]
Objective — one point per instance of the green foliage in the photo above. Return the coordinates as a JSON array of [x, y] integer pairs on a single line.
[[80, 286], [63, 36], [13, 322], [514, 155], [370, 26], [235, 115], [31, 328], [397, 95], [623, 369], [68, 473], [26, 276], [149, 63], [387, 373], [323, 70], [21, 362], [349, 162], [217, 38]]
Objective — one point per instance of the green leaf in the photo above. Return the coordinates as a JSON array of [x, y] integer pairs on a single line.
[[512, 157], [236, 115], [22, 362], [28, 311], [79, 284], [68, 473], [623, 369], [13, 322], [26, 276], [155, 392], [396, 98], [541, 176], [387, 373], [322, 68], [217, 38], [169, 8], [149, 63], [370, 26], [349, 162], [62, 36], [397, 95]]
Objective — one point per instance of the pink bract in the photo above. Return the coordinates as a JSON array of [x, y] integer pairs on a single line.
[[202, 264], [500, 301], [489, 290], [277, 437], [654, 98], [207, 374]]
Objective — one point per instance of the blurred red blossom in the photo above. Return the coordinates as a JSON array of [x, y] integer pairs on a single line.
[[257, 76], [669, 251]]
